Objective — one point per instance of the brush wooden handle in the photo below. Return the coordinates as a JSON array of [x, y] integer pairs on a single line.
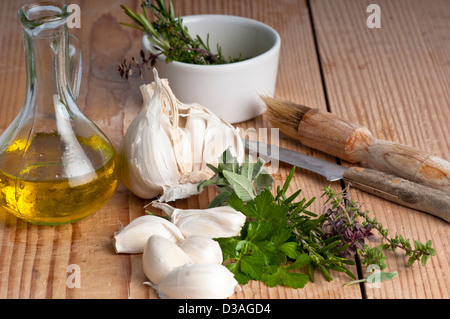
[[400, 191], [356, 144]]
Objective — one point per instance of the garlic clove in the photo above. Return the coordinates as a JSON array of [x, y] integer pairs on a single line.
[[214, 222], [132, 238], [202, 250], [160, 257], [217, 139], [196, 124], [171, 193], [197, 281]]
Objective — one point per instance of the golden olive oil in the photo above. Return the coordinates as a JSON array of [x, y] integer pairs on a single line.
[[34, 185]]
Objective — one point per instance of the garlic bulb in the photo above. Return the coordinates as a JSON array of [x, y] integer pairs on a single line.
[[203, 250], [197, 281], [133, 237], [160, 257], [214, 222], [166, 147]]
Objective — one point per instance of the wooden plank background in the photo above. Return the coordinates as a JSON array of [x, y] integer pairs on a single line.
[[394, 80]]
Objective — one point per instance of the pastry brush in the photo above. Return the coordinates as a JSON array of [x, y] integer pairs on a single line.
[[354, 143]]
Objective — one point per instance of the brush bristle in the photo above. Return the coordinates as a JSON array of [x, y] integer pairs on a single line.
[[285, 115]]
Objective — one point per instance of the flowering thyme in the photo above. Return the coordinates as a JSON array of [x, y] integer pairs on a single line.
[[127, 70], [342, 219]]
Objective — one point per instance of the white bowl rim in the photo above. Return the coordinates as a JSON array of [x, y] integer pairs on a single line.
[[273, 48]]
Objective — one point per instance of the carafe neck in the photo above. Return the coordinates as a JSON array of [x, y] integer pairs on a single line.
[[46, 44]]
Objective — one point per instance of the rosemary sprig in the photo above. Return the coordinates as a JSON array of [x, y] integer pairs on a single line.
[[169, 37]]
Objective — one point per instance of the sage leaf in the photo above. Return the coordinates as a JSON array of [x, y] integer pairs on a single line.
[[242, 186], [258, 167], [247, 168], [263, 181]]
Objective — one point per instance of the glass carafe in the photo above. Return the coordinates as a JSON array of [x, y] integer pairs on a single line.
[[56, 166]]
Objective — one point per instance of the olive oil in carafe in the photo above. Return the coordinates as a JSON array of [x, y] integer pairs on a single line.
[[56, 165], [34, 185]]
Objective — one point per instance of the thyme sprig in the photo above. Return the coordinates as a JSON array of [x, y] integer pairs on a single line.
[[134, 66], [169, 37], [345, 212]]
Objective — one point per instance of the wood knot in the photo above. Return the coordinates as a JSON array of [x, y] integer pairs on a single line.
[[432, 172]]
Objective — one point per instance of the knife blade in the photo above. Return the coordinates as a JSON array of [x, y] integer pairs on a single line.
[[386, 186]]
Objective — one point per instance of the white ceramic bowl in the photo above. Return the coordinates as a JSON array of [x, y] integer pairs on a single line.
[[232, 91]]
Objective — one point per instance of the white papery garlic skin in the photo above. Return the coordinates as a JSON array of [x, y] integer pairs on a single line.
[[203, 250], [166, 147], [132, 238], [214, 222], [197, 281], [160, 257]]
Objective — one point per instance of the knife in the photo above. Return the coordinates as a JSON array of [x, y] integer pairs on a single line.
[[390, 187]]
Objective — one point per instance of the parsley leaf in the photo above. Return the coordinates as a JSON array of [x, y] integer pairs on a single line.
[[280, 275], [252, 265], [266, 249]]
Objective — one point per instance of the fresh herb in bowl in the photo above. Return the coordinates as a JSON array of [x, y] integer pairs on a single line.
[[169, 38]]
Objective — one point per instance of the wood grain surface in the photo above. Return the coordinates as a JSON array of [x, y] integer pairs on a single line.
[[394, 80]]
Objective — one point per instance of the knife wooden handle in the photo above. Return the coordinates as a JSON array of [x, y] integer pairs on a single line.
[[401, 191], [356, 144]]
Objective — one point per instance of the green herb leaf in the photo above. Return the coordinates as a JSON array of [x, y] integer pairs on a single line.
[[257, 230], [268, 210], [289, 249], [247, 168], [252, 266], [263, 181], [242, 186], [280, 275], [220, 200], [239, 275], [272, 277], [301, 261]]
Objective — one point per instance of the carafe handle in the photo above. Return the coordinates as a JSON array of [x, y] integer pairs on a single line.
[[76, 64]]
